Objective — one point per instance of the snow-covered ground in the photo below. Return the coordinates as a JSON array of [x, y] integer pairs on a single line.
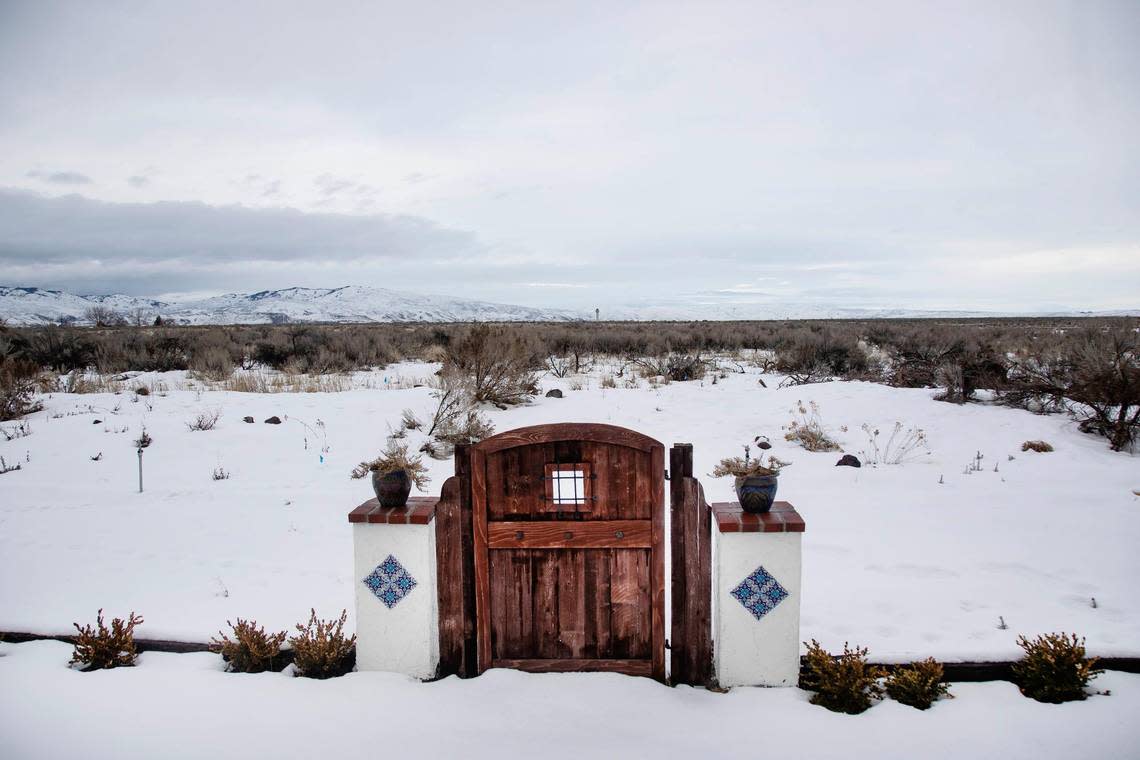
[[894, 559], [174, 706]]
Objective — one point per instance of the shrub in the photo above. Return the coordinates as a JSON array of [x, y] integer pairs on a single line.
[[918, 684], [410, 421], [472, 428], [743, 467], [320, 649], [815, 355], [683, 367], [499, 362], [17, 387], [453, 397], [969, 368], [900, 446], [842, 683], [807, 429], [99, 648], [251, 650], [1054, 668], [1038, 446], [1105, 382], [205, 420], [393, 459], [213, 363], [1099, 371], [104, 316]]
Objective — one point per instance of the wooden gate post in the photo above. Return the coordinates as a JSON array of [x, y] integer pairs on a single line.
[[456, 567], [691, 544]]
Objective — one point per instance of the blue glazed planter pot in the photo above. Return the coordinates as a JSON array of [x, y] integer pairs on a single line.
[[756, 493]]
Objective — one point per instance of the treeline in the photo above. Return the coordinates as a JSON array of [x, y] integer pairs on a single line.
[[1040, 364]]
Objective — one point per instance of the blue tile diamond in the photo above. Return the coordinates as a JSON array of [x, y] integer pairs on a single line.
[[760, 592], [390, 582]]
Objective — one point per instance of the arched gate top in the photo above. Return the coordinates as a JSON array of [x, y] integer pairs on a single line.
[[568, 431]]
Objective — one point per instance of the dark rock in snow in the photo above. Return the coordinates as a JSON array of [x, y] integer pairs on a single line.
[[274, 420], [554, 393], [848, 460], [248, 419], [96, 422]]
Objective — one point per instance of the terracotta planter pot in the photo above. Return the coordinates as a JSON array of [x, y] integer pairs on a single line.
[[392, 488], [756, 493]]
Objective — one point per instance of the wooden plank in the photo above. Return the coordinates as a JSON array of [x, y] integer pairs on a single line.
[[467, 547], [657, 561], [569, 534], [449, 585], [627, 666], [678, 638], [701, 610], [571, 602], [568, 431], [630, 595], [482, 576], [544, 622]]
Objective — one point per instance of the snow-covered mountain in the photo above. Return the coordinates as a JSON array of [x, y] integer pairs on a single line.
[[353, 303], [358, 303]]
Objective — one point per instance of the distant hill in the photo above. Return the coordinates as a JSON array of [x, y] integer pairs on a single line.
[[359, 303], [352, 303]]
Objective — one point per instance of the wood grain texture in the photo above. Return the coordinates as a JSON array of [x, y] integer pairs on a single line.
[[482, 570], [657, 560], [691, 540], [680, 459], [566, 585], [568, 431], [570, 534], [449, 569], [629, 667]]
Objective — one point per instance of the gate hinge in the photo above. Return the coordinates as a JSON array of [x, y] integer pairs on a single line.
[[666, 473]]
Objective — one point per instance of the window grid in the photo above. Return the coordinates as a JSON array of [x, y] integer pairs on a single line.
[[568, 487]]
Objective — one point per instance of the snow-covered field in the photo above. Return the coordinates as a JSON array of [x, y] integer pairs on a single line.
[[894, 559], [174, 706]]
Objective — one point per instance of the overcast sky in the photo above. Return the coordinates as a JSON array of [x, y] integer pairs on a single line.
[[928, 155]]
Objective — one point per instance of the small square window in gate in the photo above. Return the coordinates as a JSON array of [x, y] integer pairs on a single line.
[[569, 488]]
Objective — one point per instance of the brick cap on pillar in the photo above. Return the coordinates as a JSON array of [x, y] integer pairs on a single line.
[[418, 511], [782, 518]]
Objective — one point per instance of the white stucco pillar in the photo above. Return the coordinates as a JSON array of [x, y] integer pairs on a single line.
[[756, 595], [394, 573]]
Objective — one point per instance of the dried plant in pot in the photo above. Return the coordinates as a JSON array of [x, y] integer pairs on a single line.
[[756, 480], [394, 473]]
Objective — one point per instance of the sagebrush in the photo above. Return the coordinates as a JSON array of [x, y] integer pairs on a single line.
[[806, 429]]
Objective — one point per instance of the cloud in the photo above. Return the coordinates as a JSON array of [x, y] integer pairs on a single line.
[[71, 231], [335, 186], [138, 181], [60, 178]]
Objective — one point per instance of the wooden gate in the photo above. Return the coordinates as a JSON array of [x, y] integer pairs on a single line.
[[568, 524]]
